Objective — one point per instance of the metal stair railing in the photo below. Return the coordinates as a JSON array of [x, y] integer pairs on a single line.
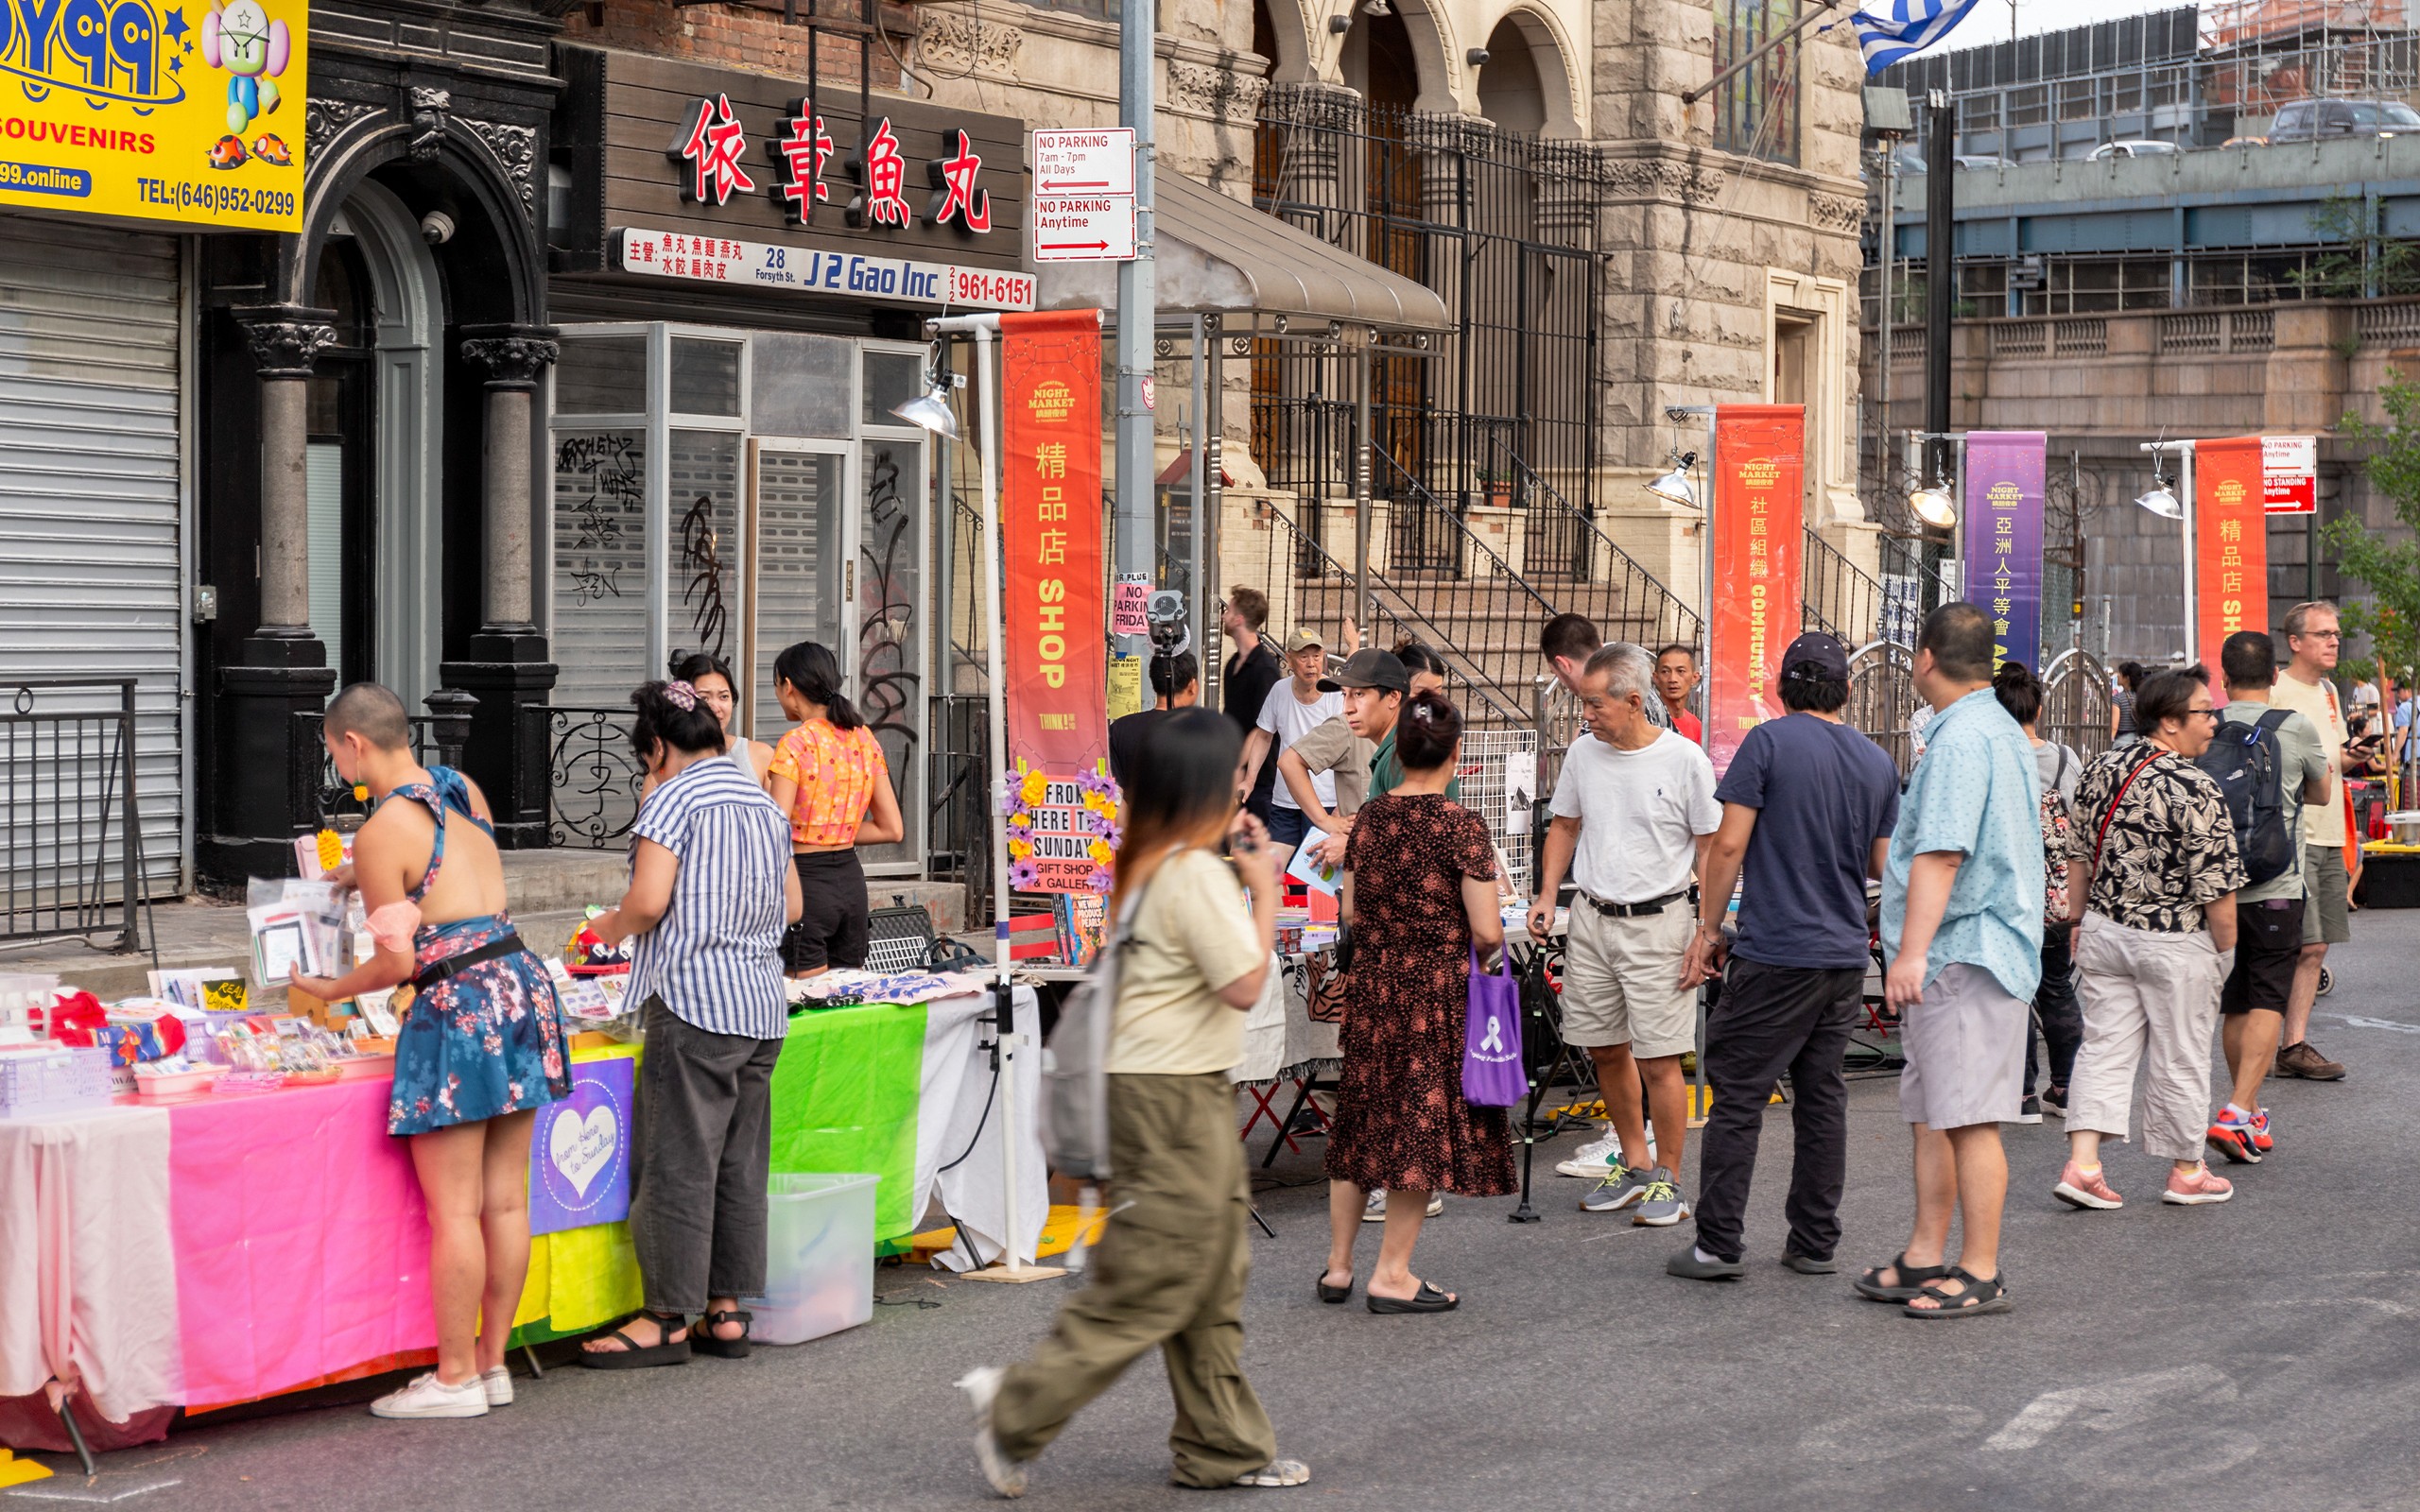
[[1840, 598], [1295, 556], [1635, 582]]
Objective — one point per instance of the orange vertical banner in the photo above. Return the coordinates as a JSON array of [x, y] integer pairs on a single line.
[[1062, 810], [1759, 473], [2230, 543]]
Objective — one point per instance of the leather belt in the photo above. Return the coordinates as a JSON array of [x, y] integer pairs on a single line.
[[1652, 905], [436, 971]]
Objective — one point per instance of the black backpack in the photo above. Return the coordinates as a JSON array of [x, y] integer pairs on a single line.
[[2247, 763]]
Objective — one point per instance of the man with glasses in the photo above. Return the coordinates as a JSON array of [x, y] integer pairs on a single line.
[[2313, 639]]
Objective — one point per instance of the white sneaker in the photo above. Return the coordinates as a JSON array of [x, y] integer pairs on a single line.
[[498, 1383], [1598, 1158], [982, 1385], [427, 1397], [1374, 1208]]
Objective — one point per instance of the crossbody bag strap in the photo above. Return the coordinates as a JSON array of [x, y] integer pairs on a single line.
[[2111, 812]]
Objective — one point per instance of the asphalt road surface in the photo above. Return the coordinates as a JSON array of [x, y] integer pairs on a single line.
[[2262, 1353]]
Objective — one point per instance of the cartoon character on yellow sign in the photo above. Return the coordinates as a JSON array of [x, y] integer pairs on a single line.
[[241, 39]]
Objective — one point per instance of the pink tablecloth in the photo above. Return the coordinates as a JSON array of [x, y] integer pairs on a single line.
[[301, 1241]]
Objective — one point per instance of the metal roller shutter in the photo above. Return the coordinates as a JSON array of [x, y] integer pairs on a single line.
[[89, 479]]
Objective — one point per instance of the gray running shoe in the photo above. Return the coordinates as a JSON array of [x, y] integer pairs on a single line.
[[1621, 1187], [1660, 1205]]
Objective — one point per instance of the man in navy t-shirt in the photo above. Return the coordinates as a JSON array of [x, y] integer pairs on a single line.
[[1807, 808]]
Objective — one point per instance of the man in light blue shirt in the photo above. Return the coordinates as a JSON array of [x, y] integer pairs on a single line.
[[1963, 899]]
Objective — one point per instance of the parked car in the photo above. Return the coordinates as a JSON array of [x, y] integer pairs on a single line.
[[2135, 148], [2317, 120], [1980, 160], [2245, 142]]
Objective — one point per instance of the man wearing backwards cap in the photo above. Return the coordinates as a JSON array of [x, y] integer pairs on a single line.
[[1374, 684], [1807, 808]]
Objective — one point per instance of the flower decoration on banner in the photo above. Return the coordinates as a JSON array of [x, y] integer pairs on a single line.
[[1098, 814]]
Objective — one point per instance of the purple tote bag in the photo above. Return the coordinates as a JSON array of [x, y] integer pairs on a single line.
[[1491, 1072]]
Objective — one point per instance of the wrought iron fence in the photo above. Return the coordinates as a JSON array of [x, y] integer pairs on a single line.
[[1882, 699], [1840, 598], [1503, 227], [592, 777], [2076, 707], [959, 850], [315, 796], [70, 838]]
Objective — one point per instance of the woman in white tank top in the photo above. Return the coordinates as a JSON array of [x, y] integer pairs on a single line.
[[712, 677]]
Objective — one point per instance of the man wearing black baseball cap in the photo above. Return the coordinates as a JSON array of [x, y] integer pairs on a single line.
[[1807, 808], [1374, 684]]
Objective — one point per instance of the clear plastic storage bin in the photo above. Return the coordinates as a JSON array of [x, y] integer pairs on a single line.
[[818, 1271]]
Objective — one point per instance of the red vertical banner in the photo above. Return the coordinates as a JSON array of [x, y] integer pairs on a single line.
[[1063, 808], [2230, 543], [1759, 473]]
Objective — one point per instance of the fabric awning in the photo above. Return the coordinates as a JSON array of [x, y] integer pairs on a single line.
[[1221, 256]]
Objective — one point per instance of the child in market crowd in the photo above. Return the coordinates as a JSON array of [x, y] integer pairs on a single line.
[[482, 1045], [829, 777]]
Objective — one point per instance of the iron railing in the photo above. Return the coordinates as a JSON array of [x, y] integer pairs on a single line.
[[71, 846], [592, 777], [315, 796], [1570, 559], [1882, 699], [2077, 704], [959, 809], [1838, 596]]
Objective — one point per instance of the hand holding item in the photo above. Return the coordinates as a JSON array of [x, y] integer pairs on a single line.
[[1331, 849], [1541, 920], [1256, 861]]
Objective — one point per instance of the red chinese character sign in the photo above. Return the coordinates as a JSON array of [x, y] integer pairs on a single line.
[[1759, 468], [882, 178], [1062, 807], [798, 155], [712, 150], [2230, 543], [954, 196]]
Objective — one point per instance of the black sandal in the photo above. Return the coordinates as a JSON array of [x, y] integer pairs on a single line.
[[1333, 1294], [704, 1339], [1979, 1297], [632, 1355], [1427, 1299], [1912, 1279]]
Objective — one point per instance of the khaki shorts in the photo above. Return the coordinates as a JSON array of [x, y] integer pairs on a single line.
[[1621, 980], [2327, 918], [1966, 1045]]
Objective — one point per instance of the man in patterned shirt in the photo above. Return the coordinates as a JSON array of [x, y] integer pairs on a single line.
[[1962, 925], [2153, 873]]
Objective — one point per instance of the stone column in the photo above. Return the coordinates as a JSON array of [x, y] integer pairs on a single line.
[[508, 669], [267, 764], [285, 339]]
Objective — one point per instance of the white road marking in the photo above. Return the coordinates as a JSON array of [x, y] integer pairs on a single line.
[[2358, 1022], [45, 1491], [2111, 1404]]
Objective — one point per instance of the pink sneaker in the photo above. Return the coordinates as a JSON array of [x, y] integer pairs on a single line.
[[2191, 1189], [2078, 1190]]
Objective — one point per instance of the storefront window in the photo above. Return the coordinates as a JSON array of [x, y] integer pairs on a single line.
[[601, 375], [599, 565], [784, 503]]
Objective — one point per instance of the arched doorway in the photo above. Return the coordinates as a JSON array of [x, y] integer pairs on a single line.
[[374, 452]]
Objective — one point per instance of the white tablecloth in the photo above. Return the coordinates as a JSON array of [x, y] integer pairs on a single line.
[[1280, 1039], [957, 1076]]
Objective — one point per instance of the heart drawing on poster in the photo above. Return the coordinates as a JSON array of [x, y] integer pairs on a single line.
[[580, 1163], [583, 1148]]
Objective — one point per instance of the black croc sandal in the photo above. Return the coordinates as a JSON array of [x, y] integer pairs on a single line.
[[703, 1340], [1911, 1279], [1333, 1294], [1427, 1299], [1978, 1298], [632, 1355]]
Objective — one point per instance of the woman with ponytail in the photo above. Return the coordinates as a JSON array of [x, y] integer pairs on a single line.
[[829, 777]]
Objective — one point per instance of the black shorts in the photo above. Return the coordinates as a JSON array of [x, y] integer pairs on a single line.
[[2268, 943], [832, 928]]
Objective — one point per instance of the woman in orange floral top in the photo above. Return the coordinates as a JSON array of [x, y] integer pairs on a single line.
[[829, 776]]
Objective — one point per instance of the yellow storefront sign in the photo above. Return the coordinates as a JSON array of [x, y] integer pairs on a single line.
[[187, 111]]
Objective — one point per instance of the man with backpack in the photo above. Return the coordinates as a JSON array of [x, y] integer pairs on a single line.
[[2268, 763]]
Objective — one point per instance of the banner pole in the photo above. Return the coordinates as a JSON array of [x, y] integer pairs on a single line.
[[2192, 568]]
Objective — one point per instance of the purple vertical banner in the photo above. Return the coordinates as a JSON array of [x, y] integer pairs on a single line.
[[2004, 470]]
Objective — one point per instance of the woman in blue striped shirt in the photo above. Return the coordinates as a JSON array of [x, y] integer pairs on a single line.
[[710, 890]]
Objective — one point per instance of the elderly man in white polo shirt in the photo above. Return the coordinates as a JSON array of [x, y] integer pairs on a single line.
[[1633, 812]]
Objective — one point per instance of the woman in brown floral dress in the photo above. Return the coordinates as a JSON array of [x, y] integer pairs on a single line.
[[1419, 890]]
